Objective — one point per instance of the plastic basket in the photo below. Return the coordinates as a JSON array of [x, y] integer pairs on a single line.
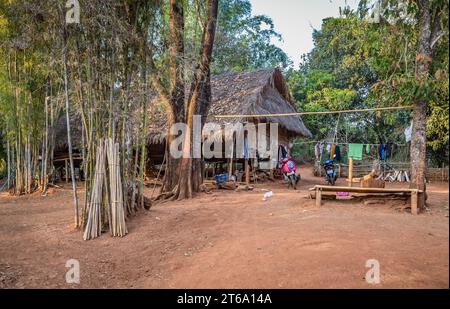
[[221, 178]]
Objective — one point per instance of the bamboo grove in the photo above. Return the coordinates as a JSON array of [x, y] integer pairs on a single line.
[[95, 74]]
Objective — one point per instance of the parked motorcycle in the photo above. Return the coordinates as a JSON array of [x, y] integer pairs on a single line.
[[289, 170], [330, 172]]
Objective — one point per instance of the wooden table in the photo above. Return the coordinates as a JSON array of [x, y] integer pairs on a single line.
[[413, 192]]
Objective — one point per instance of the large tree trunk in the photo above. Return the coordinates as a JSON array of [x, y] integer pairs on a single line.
[[191, 175], [176, 95], [418, 138]]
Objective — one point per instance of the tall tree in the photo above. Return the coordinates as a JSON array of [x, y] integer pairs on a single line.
[[180, 181], [431, 27], [191, 171]]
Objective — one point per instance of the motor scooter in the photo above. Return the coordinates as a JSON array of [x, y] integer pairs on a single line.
[[330, 172], [289, 170]]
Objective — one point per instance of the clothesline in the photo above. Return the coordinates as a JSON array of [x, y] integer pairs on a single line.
[[335, 143], [313, 113]]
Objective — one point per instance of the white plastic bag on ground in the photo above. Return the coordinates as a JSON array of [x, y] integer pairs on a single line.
[[267, 195]]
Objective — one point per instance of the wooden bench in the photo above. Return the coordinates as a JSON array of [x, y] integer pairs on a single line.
[[413, 192]]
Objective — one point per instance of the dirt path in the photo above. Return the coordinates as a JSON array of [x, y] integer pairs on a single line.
[[230, 240]]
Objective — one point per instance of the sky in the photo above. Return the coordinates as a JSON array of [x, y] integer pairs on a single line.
[[296, 19]]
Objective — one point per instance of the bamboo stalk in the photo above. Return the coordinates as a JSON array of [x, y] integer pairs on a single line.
[[93, 225], [118, 227], [8, 163], [69, 139], [45, 150]]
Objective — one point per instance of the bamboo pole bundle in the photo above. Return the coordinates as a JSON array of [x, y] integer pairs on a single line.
[[118, 226], [94, 224]]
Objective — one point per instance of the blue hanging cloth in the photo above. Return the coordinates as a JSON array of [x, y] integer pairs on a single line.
[[382, 152]]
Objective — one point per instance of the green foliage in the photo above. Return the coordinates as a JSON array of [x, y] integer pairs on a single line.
[[392, 44], [336, 75], [357, 64], [244, 42]]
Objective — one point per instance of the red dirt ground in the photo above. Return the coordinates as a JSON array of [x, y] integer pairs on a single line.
[[230, 240]]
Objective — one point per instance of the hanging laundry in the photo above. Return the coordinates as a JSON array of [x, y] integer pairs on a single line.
[[382, 152], [408, 133], [388, 150], [332, 149], [328, 148], [368, 149], [337, 153], [355, 151], [282, 152], [317, 151]]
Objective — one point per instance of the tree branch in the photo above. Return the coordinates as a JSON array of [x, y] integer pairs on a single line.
[[436, 29], [199, 18]]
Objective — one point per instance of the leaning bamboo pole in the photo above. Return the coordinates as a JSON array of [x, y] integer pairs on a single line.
[[27, 150], [69, 139], [8, 162], [45, 149]]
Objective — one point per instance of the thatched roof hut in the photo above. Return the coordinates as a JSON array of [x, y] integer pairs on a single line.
[[258, 92], [61, 131]]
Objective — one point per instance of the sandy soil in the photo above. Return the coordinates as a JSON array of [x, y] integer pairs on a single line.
[[230, 240]]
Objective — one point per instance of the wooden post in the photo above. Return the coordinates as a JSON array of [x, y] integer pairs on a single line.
[[230, 167], [66, 170], [247, 173], [414, 202], [318, 197], [255, 175], [230, 161], [350, 172]]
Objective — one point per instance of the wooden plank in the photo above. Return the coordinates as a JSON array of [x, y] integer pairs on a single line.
[[64, 159], [318, 197], [414, 203], [414, 193], [354, 180], [365, 190]]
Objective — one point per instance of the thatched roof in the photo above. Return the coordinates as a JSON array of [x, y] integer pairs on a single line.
[[61, 131], [258, 92]]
